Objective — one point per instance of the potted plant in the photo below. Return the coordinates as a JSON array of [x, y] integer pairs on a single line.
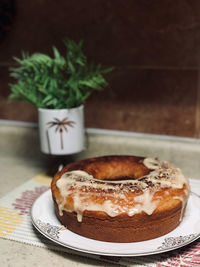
[[58, 86]]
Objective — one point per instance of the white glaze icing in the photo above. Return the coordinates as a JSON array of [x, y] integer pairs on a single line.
[[113, 197], [146, 203], [183, 205], [150, 163]]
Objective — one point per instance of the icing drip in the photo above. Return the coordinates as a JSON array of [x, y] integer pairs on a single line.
[[148, 205], [183, 205], [84, 192]]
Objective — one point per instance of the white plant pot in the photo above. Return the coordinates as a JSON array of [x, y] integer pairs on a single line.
[[61, 131]]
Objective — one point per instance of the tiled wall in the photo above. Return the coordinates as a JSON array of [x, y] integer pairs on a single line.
[[154, 46]]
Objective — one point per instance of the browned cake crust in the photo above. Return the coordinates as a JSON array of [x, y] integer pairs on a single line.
[[144, 224]]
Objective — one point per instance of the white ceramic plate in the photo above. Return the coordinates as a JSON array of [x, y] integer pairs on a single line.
[[45, 221]]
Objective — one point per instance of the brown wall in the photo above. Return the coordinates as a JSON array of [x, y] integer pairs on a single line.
[[154, 45]]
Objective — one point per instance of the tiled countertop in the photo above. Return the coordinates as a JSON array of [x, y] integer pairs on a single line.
[[21, 159]]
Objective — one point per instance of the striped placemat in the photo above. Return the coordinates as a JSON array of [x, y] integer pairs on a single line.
[[15, 224]]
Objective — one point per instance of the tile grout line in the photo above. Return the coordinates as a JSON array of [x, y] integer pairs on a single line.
[[11, 63], [197, 117], [100, 131]]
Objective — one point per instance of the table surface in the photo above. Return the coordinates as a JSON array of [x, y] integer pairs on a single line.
[[20, 160]]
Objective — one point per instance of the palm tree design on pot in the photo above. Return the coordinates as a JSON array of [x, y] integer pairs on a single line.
[[60, 125]]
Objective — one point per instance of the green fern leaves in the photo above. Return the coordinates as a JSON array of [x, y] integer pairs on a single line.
[[58, 82]]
